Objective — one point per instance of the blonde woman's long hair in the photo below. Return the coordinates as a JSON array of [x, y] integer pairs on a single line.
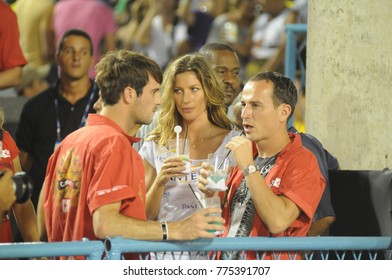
[[169, 116]]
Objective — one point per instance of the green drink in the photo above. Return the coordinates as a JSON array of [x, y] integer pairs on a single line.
[[213, 202]]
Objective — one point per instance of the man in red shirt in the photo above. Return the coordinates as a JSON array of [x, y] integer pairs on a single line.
[[94, 185], [276, 185], [11, 56]]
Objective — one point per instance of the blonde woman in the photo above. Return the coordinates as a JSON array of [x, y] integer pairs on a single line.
[[192, 97]]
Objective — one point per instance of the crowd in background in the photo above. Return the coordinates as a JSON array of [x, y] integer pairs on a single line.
[[163, 30]]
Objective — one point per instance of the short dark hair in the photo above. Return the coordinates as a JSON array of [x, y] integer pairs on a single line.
[[122, 68], [75, 32], [284, 88], [210, 47]]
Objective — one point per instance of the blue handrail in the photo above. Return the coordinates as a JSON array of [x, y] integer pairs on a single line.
[[290, 63], [291, 47], [92, 250], [116, 246], [113, 248]]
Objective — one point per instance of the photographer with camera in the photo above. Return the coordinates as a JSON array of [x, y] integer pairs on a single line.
[[20, 185], [7, 195]]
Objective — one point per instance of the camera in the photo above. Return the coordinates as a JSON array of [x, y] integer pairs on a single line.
[[23, 186]]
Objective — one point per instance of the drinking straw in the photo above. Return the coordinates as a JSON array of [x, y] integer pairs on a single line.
[[198, 200], [177, 130], [228, 153]]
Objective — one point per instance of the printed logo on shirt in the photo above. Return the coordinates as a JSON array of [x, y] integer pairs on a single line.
[[275, 183], [68, 180], [5, 153], [112, 189], [65, 183], [188, 178], [65, 203], [189, 206]]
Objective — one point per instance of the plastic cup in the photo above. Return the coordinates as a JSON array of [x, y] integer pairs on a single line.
[[213, 202], [183, 153], [219, 169]]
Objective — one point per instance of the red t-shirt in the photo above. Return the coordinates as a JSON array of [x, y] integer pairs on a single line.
[[8, 152], [295, 175], [93, 166], [11, 54]]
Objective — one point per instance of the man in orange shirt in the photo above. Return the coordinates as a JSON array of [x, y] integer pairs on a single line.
[[94, 185], [276, 185]]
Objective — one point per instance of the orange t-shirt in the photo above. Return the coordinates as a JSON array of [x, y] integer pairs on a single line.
[[295, 175], [93, 166]]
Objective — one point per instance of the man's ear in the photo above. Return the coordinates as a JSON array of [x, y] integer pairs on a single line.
[[284, 111], [129, 95]]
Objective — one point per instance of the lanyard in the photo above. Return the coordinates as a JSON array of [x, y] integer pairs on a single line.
[[84, 117]]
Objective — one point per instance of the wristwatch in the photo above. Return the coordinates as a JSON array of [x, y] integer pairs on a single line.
[[249, 170]]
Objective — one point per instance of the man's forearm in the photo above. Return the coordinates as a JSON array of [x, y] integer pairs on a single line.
[[10, 77], [321, 226], [26, 219], [277, 212], [26, 161]]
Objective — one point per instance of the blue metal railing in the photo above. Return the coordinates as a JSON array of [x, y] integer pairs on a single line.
[[291, 47], [92, 250], [292, 54], [324, 248], [341, 246]]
